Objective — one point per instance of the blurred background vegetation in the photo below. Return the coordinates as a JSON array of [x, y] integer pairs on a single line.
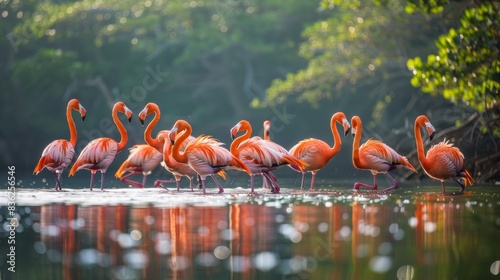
[[214, 62]]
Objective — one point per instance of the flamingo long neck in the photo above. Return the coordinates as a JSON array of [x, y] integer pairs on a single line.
[[236, 143], [176, 149], [420, 144], [72, 127], [122, 130], [336, 138], [167, 157], [356, 142], [155, 143]]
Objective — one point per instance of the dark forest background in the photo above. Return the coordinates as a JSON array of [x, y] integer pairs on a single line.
[[215, 62]]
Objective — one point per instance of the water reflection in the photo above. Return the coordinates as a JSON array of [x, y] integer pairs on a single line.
[[287, 238]]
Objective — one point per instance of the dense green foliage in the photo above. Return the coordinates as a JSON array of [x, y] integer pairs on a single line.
[[467, 65]]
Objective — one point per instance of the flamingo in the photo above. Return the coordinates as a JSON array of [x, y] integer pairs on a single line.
[[267, 136], [375, 156], [100, 152], [317, 153], [204, 155], [259, 155], [443, 161], [267, 129], [141, 160], [178, 169], [59, 153]]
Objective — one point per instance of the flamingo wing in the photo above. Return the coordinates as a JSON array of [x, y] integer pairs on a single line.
[[447, 161], [313, 151], [56, 156], [379, 157], [97, 155], [207, 156], [142, 158]]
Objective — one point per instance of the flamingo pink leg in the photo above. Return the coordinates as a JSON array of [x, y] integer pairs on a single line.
[[92, 173], [312, 180], [395, 184], [57, 176], [134, 183], [265, 185], [252, 177], [275, 188], [302, 181], [102, 180], [221, 189], [375, 187], [159, 183]]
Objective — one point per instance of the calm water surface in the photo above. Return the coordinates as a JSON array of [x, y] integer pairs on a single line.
[[407, 234]]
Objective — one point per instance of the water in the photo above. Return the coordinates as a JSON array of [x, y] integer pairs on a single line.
[[410, 233]]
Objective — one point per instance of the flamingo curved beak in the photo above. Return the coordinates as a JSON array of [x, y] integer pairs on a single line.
[[83, 117], [347, 126], [233, 133], [172, 134], [142, 115], [431, 136], [346, 132]]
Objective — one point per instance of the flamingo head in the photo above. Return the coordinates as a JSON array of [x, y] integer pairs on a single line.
[[172, 134], [267, 129], [347, 126], [423, 121], [355, 123], [75, 105], [240, 126], [430, 129], [180, 127], [122, 108], [341, 119], [148, 109]]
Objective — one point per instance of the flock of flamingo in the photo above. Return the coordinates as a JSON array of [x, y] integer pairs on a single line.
[[184, 155]]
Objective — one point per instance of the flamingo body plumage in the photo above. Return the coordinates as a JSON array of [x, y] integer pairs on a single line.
[[317, 153], [143, 159], [204, 154], [177, 169], [375, 156], [443, 161], [100, 152], [58, 154], [259, 155]]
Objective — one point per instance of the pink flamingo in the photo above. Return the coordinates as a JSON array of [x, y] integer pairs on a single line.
[[59, 153], [141, 160], [178, 169], [205, 154], [443, 161], [259, 155], [100, 152], [317, 153], [375, 156]]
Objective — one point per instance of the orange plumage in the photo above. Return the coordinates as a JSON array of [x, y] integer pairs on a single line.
[[317, 153], [443, 161], [59, 153], [261, 156], [141, 160], [100, 152], [204, 154], [375, 156]]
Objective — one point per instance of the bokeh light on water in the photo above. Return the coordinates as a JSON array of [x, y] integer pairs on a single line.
[[299, 236]]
